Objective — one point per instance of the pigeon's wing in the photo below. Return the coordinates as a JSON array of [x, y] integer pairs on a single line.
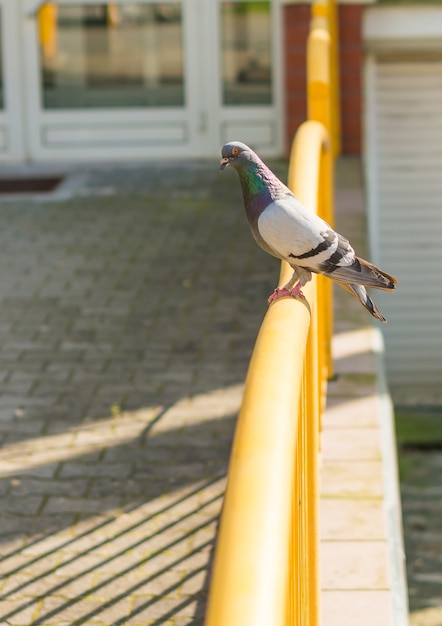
[[295, 234], [305, 240]]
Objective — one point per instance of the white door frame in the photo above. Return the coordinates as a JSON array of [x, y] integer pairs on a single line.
[[199, 128], [12, 117], [259, 125], [120, 133]]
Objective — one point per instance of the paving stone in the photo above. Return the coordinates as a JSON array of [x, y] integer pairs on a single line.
[[357, 565], [364, 481], [28, 505], [364, 608], [352, 444], [31, 486], [355, 519], [18, 612], [58, 504], [90, 469]]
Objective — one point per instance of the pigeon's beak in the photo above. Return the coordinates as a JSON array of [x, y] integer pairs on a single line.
[[225, 161]]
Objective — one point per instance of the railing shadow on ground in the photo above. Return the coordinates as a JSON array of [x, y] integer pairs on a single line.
[[121, 554]]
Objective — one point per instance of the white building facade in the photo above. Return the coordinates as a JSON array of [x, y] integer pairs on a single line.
[[403, 157]]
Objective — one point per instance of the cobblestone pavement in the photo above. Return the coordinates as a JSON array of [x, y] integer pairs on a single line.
[[420, 462], [129, 305], [422, 516]]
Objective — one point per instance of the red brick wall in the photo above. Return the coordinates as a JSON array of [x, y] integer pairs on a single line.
[[296, 25], [351, 63]]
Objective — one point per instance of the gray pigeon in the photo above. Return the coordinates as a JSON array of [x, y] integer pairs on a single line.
[[284, 228]]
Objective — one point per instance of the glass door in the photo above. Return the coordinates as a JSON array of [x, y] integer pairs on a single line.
[[247, 54], [113, 79]]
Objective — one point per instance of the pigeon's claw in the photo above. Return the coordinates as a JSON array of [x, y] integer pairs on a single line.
[[282, 292]]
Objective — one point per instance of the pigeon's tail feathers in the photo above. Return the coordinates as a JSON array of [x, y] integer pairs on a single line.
[[360, 293], [386, 281], [362, 272]]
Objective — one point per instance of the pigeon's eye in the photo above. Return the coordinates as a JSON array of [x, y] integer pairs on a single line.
[[235, 151]]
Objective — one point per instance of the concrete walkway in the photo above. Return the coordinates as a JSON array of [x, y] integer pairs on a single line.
[[362, 556], [129, 304]]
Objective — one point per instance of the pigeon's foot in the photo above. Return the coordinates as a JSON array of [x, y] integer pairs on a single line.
[[282, 292]]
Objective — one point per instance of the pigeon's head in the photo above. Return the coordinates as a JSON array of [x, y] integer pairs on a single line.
[[236, 154]]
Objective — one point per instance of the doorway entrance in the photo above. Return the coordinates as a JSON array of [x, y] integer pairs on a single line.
[[142, 79]]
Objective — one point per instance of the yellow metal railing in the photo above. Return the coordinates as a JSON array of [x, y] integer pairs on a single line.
[[265, 570]]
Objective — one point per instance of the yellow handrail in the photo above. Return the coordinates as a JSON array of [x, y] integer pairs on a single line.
[[265, 570], [253, 579]]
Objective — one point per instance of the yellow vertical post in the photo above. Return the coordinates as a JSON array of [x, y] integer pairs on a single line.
[[318, 77], [325, 285], [325, 16], [303, 510], [112, 14], [297, 527], [320, 8], [310, 496], [47, 29], [293, 573], [334, 78]]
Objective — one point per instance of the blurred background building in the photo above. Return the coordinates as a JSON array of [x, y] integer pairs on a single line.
[[90, 80]]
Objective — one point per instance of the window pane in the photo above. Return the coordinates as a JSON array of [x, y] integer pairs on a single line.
[[111, 55], [246, 53]]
